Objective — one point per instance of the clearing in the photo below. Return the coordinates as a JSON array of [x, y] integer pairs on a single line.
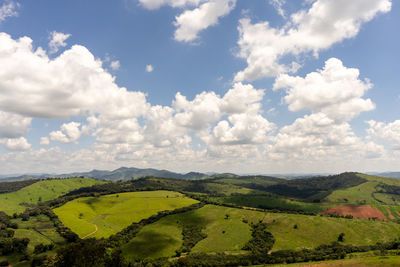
[[112, 213]]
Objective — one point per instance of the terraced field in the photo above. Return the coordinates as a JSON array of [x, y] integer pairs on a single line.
[[41, 191], [227, 231], [111, 213]]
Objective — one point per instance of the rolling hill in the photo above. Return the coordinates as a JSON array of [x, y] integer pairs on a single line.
[[41, 191]]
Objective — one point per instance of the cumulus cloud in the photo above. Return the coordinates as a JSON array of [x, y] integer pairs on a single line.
[[44, 141], [327, 22], [57, 40], [115, 65], [13, 125], [335, 90], [16, 144], [149, 68], [191, 22], [388, 132], [8, 9], [69, 133], [72, 84], [334, 97]]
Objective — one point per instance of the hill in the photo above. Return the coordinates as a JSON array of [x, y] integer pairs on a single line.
[[41, 191], [122, 173], [109, 214], [227, 230]]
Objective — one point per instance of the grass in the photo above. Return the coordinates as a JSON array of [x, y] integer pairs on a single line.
[[247, 180], [365, 193], [271, 202], [371, 258], [41, 224], [231, 234], [44, 190], [112, 213], [226, 189]]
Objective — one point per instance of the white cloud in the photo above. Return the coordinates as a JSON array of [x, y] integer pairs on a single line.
[[387, 132], [278, 5], [115, 65], [191, 22], [72, 84], [16, 144], [13, 125], [334, 97], [155, 4], [69, 133], [149, 68], [327, 22], [245, 129], [44, 141], [335, 90], [8, 9], [57, 40]]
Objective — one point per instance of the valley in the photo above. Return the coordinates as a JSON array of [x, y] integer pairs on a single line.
[[167, 221]]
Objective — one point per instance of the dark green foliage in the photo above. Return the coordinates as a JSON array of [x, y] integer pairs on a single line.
[[262, 241], [43, 248], [316, 188], [341, 237], [7, 187], [88, 253], [192, 234], [4, 263], [13, 245]]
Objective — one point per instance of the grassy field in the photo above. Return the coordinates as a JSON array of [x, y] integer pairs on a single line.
[[112, 213], [355, 259], [365, 193], [231, 234], [271, 202], [247, 180], [43, 190], [226, 189], [41, 224]]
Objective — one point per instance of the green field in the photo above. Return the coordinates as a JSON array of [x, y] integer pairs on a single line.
[[111, 213], [231, 234], [365, 192], [371, 259], [271, 202], [44, 190]]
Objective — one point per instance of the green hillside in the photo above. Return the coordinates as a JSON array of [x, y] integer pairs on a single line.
[[41, 191], [228, 230], [107, 215], [376, 190]]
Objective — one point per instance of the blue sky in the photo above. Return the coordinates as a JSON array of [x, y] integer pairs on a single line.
[[266, 86]]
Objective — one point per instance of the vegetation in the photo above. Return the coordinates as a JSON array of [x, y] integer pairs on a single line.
[[106, 215], [220, 221], [44, 190]]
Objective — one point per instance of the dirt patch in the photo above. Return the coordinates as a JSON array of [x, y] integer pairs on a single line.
[[390, 215], [361, 212]]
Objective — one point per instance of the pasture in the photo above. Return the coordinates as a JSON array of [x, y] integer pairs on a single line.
[[40, 192], [228, 230], [109, 214]]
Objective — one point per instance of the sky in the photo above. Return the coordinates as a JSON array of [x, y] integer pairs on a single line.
[[261, 86]]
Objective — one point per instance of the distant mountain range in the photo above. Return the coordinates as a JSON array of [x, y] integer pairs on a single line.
[[122, 173], [388, 174]]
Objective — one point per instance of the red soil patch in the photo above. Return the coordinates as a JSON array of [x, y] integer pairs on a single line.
[[390, 215], [361, 212]]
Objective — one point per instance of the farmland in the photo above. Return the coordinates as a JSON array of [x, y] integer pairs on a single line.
[[112, 213], [228, 231], [40, 192]]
